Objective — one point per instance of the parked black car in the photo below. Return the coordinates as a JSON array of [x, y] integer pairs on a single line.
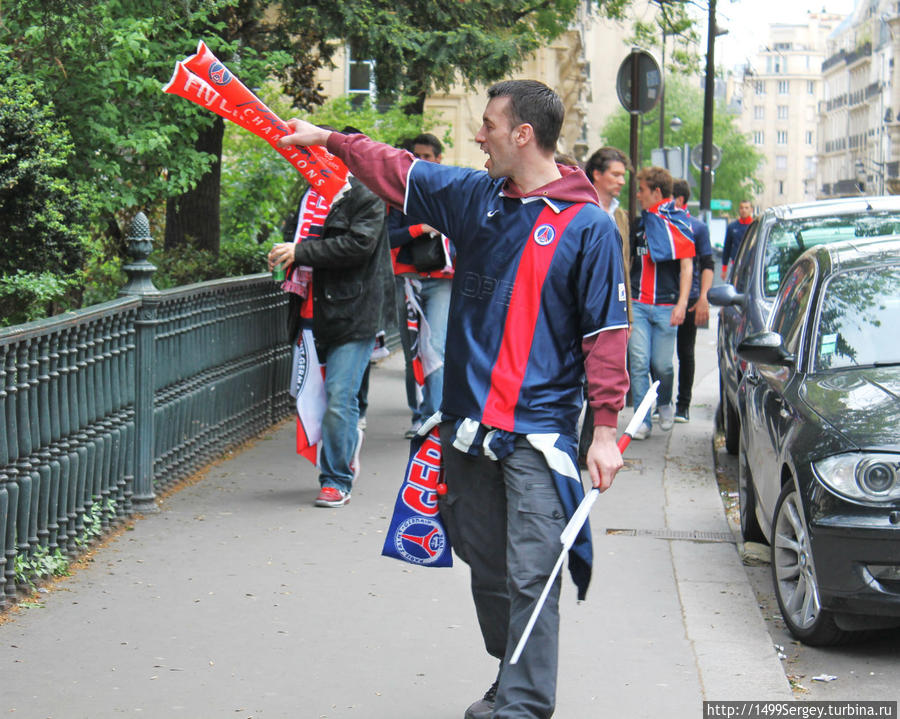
[[771, 245], [819, 459]]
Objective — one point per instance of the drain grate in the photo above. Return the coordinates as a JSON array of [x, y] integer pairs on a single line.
[[685, 535]]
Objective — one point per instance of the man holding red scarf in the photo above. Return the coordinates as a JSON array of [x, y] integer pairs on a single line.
[[538, 300], [734, 234]]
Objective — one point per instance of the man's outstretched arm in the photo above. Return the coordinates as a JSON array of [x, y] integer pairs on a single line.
[[382, 168]]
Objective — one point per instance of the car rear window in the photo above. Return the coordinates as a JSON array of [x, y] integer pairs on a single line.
[[859, 317], [789, 238]]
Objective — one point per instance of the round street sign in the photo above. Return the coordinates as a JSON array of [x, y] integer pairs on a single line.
[[650, 83], [697, 157]]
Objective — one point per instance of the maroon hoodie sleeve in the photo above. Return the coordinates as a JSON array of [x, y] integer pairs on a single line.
[[607, 374], [381, 168]]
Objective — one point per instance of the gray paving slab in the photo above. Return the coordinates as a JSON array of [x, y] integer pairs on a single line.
[[240, 599]]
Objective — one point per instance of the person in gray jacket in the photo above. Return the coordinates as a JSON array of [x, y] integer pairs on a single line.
[[337, 254]]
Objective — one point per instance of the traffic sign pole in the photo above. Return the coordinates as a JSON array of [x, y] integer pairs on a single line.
[[708, 99]]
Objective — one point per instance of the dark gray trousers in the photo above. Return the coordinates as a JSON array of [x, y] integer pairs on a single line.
[[504, 519]]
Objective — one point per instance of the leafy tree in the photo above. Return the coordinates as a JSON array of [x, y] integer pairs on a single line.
[[735, 178], [672, 21], [102, 64], [41, 214]]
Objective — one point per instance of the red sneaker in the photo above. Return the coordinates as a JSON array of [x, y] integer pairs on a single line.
[[332, 497]]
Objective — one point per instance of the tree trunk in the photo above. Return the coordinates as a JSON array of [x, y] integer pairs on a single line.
[[193, 218]]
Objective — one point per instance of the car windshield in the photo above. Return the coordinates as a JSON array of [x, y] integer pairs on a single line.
[[859, 319], [789, 238]]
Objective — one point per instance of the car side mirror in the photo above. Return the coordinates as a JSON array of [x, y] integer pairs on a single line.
[[765, 348], [725, 296]]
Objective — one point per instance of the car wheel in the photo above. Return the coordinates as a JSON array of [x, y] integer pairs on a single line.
[[731, 426], [750, 529], [794, 575]]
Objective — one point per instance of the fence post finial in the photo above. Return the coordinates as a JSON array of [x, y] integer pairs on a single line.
[[139, 270]]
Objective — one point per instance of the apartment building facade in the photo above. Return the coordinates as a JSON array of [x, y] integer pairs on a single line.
[[779, 92], [859, 146]]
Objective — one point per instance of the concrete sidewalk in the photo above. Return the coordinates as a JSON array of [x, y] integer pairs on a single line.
[[241, 599]]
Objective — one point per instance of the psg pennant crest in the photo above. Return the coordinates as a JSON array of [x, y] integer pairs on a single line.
[[417, 534]]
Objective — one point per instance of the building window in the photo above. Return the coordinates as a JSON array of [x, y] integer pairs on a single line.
[[360, 80], [781, 187], [810, 87], [781, 162], [809, 137], [781, 137], [760, 87], [758, 137], [783, 87], [782, 112], [759, 112]]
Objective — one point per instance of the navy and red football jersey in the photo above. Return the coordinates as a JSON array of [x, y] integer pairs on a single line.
[[534, 276]]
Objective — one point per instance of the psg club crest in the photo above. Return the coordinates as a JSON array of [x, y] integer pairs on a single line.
[[420, 540], [219, 74], [544, 235], [417, 534]]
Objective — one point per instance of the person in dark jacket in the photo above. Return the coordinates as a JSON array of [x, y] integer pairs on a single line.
[[339, 249]]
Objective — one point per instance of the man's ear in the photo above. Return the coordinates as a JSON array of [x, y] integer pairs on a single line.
[[522, 134]]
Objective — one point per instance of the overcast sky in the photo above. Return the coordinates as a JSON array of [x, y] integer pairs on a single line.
[[748, 20]]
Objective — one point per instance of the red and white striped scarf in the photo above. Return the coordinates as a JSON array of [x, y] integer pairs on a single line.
[[314, 208]]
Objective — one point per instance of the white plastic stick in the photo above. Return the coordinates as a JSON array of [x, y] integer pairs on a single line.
[[578, 519]]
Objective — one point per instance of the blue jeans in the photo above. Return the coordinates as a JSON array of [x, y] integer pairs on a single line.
[[345, 365], [435, 299], [650, 351]]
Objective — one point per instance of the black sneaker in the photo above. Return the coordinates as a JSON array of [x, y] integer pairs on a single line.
[[484, 707], [682, 415]]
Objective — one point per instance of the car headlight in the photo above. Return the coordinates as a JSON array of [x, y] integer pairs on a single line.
[[866, 476]]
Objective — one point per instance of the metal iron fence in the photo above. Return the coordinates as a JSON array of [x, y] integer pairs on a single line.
[[103, 407]]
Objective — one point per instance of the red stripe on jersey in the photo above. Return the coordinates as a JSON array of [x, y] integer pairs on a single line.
[[521, 318], [647, 293]]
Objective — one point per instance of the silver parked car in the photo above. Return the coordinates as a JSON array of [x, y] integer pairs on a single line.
[[771, 245]]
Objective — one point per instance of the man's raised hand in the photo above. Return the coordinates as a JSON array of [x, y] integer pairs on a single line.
[[304, 133]]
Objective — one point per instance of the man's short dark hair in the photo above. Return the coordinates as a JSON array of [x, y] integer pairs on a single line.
[[534, 103], [656, 178], [426, 138], [681, 188], [603, 158]]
